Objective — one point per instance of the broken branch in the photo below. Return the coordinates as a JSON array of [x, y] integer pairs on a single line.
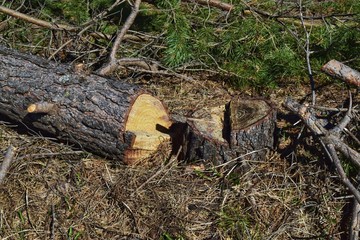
[[214, 3], [339, 70], [331, 140], [41, 107], [36, 21], [112, 64]]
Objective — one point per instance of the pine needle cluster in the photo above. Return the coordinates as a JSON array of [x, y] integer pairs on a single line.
[[258, 44]]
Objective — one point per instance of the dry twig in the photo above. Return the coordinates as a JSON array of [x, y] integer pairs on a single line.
[[355, 221], [36, 21], [112, 62], [330, 140], [308, 53]]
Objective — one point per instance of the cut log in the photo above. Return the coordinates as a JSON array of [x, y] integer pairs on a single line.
[[121, 121], [107, 117], [223, 133]]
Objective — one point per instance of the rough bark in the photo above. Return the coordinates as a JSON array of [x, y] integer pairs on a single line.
[[93, 112], [223, 133], [119, 120], [252, 125]]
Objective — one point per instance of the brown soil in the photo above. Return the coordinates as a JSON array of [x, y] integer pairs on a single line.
[[52, 192]]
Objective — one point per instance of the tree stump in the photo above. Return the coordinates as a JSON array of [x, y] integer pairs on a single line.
[[107, 117], [223, 133]]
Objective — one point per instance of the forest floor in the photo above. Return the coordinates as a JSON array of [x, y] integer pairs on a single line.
[[52, 193]]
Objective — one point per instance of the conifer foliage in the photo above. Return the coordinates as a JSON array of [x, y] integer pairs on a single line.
[[259, 43]]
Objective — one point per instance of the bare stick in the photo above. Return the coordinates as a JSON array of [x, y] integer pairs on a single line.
[[47, 155], [129, 21], [339, 70], [36, 21], [346, 120], [355, 221], [103, 13], [308, 52], [165, 73], [350, 153], [214, 3], [342, 173], [333, 109], [41, 107], [111, 65], [9, 156], [352, 136], [139, 62], [326, 136]]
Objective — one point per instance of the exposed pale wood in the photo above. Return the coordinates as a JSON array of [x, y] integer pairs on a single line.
[[41, 107], [146, 116], [339, 70], [8, 158], [107, 117], [252, 125], [222, 133]]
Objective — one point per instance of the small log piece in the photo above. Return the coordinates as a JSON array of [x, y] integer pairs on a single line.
[[339, 70], [222, 133], [106, 117]]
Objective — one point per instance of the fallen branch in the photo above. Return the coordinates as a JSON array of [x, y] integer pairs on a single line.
[[308, 21], [36, 21], [164, 73], [339, 70], [308, 53], [330, 140], [9, 156], [139, 62], [214, 3], [112, 63], [103, 13], [355, 221]]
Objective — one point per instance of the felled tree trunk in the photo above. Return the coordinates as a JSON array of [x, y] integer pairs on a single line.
[[106, 117], [121, 121], [244, 128]]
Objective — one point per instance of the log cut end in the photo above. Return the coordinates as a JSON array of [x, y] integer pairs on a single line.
[[252, 125], [222, 133], [148, 121]]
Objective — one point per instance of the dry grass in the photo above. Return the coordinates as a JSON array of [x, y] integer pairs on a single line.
[[80, 196]]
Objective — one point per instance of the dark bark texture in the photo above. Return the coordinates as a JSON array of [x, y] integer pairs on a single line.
[[243, 127], [252, 125], [89, 110]]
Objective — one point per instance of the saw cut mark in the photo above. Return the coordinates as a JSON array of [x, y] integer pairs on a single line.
[[146, 113], [245, 113]]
